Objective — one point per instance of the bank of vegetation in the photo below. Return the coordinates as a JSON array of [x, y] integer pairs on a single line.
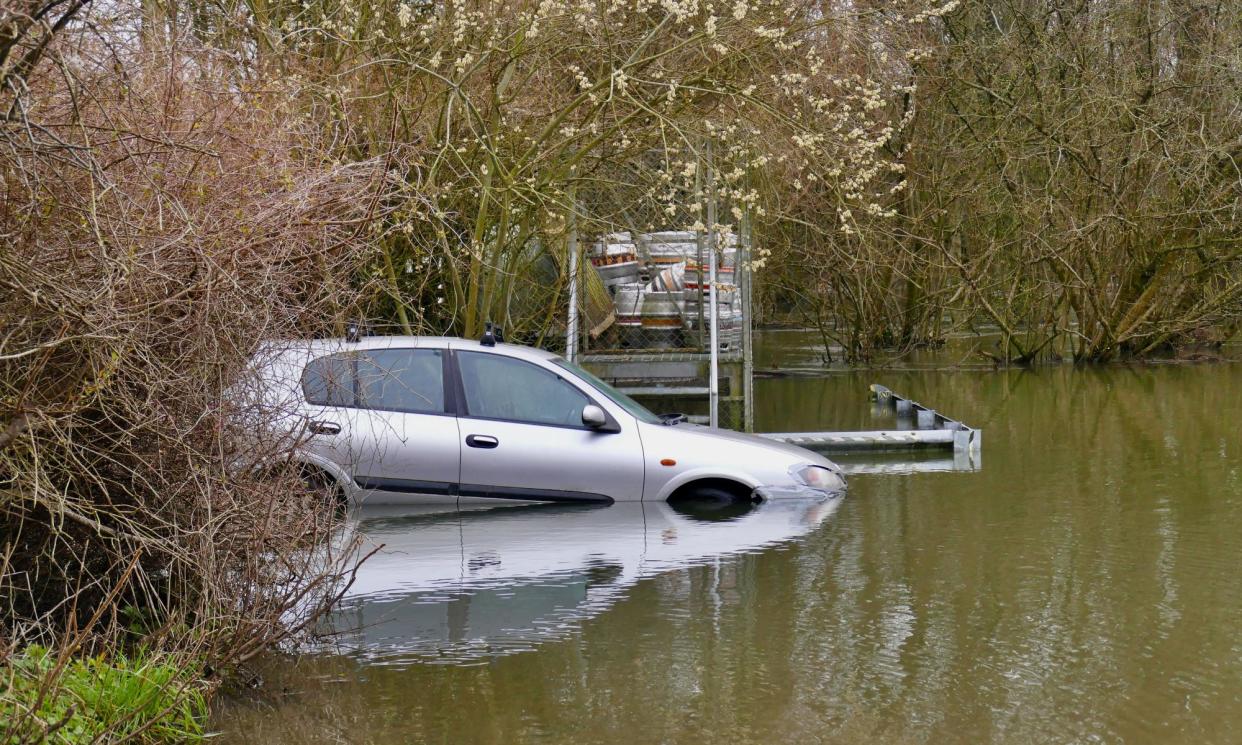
[[158, 222]]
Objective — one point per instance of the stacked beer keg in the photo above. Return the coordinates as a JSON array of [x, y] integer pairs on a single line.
[[726, 267], [662, 308], [670, 247], [667, 311], [615, 257], [728, 304], [628, 299]]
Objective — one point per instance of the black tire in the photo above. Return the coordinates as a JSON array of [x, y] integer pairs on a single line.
[[318, 481], [711, 504]]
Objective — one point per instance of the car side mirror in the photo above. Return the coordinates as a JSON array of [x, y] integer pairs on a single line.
[[593, 416]]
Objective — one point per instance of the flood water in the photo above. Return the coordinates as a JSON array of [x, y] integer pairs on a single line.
[[1084, 585]]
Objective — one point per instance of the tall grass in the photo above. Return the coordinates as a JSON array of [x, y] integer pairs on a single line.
[[145, 697]]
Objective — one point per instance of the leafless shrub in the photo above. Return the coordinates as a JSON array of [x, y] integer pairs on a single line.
[[160, 220]]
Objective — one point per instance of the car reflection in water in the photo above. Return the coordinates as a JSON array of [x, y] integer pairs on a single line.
[[462, 587]]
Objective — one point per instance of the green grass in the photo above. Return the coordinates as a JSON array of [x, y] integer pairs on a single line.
[[140, 696]]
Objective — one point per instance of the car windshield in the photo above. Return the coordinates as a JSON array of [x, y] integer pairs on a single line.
[[639, 411]]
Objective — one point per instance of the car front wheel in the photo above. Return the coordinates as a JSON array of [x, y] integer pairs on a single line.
[[712, 503]]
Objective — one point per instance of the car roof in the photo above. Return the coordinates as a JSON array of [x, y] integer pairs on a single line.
[[318, 347]]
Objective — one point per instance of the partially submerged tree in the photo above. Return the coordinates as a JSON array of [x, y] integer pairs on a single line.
[[1080, 162]]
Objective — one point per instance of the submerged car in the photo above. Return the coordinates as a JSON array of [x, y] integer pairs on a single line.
[[405, 420]]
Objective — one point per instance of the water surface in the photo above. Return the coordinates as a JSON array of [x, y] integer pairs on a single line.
[[1083, 586]]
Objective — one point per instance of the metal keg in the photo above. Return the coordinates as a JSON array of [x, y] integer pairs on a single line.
[[661, 319]]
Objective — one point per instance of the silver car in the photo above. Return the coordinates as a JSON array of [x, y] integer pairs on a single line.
[[401, 420]]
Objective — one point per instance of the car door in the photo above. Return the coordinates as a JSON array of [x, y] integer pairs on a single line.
[[388, 421], [523, 437]]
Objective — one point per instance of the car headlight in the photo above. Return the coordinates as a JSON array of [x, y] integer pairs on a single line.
[[817, 476]]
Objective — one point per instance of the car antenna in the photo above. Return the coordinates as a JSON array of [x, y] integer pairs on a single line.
[[489, 338]]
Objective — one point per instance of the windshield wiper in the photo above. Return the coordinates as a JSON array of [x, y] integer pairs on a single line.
[[671, 419]]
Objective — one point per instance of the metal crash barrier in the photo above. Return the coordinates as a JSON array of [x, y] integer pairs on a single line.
[[918, 427]]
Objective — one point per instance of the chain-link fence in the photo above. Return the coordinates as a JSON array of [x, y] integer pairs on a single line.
[[659, 284], [646, 301]]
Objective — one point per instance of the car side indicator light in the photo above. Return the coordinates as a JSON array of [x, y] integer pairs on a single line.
[[668, 462]]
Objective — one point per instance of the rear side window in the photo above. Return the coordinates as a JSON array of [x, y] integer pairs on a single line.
[[504, 388], [409, 380], [329, 381], [402, 380]]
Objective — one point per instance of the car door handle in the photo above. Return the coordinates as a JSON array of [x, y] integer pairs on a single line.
[[324, 428], [487, 442]]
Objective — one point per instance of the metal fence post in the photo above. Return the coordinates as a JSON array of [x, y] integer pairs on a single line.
[[748, 338], [571, 249], [713, 382], [699, 243]]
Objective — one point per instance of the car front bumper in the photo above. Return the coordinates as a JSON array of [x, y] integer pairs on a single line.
[[796, 491]]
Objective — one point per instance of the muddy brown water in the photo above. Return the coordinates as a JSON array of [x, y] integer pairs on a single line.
[[1085, 585]]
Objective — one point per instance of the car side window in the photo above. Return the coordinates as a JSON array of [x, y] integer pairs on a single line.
[[329, 381], [500, 387], [410, 380]]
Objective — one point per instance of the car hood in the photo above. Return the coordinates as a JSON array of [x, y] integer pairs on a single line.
[[686, 429]]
